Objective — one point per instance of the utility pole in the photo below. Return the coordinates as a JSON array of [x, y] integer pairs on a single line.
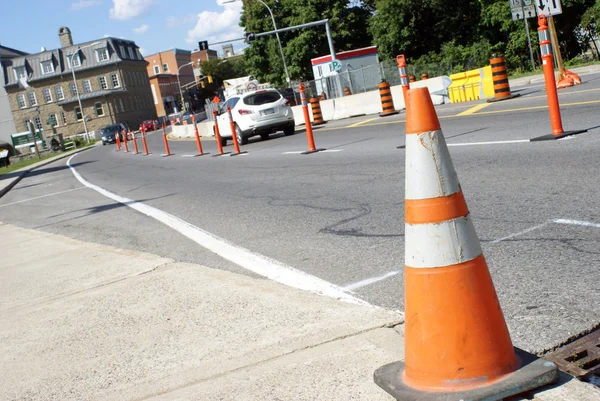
[[32, 130], [556, 47], [528, 37]]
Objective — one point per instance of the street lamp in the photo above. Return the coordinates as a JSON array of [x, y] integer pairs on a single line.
[[179, 84], [87, 135], [287, 75]]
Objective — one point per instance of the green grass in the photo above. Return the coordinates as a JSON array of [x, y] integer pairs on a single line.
[[29, 162]]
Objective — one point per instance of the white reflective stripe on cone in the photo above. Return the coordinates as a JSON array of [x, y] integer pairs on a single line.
[[441, 244], [429, 169]]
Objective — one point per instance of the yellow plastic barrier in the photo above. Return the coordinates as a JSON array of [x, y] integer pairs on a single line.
[[456, 90], [487, 82], [471, 85]]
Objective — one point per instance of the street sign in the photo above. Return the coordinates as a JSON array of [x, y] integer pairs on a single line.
[[336, 65], [521, 9], [548, 7], [203, 45]]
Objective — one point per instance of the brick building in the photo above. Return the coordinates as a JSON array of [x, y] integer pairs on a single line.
[[163, 69], [111, 79]]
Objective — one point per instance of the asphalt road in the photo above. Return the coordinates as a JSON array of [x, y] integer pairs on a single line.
[[338, 215]]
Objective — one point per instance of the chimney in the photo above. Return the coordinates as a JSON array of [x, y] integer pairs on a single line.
[[64, 34]]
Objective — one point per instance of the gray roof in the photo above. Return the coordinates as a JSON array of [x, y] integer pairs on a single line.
[[91, 95], [58, 57], [7, 52]]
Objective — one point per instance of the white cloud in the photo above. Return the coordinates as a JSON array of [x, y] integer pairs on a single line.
[[126, 9], [85, 4], [141, 29], [217, 26], [107, 35], [142, 51], [173, 22]]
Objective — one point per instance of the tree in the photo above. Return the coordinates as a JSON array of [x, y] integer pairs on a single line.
[[348, 23]]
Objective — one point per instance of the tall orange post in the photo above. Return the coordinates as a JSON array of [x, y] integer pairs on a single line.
[[144, 142], [401, 61], [457, 344], [198, 143], [551, 93], [117, 138], [217, 134], [125, 141], [135, 147], [309, 131], [153, 125], [166, 142], [236, 145]]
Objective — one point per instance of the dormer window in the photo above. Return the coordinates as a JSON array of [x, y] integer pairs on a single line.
[[131, 55], [102, 54], [76, 60], [20, 72], [47, 67], [122, 49]]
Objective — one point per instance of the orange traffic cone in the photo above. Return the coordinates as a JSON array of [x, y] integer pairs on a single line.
[[457, 345]]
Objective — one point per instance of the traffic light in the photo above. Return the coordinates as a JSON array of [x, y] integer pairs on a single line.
[[250, 36], [210, 80], [202, 84]]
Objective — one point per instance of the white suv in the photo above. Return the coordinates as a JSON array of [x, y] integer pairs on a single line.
[[256, 113]]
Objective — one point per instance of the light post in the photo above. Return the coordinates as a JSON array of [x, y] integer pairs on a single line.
[[179, 84], [87, 135], [287, 75]]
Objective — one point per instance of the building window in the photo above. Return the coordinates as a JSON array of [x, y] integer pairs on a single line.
[[102, 55], [21, 101], [99, 109], [38, 123], [32, 99], [47, 95], [103, 83], [20, 73], [87, 86], [47, 67], [131, 55], [76, 60], [26, 123], [63, 117], [123, 54], [165, 67], [53, 117], [78, 115], [156, 69], [73, 88], [114, 79], [60, 95]]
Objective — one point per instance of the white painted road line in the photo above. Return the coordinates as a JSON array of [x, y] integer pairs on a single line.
[[245, 258], [576, 223], [519, 233], [489, 143], [43, 196], [369, 281], [297, 152]]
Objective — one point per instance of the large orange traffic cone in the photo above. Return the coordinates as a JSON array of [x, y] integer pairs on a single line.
[[457, 345]]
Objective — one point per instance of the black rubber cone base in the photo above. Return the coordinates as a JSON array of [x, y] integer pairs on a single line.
[[534, 373], [320, 123], [401, 147], [499, 99], [221, 154], [391, 113], [167, 155], [236, 154], [551, 137], [308, 152]]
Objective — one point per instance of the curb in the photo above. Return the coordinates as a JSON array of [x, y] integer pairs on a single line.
[[25, 170]]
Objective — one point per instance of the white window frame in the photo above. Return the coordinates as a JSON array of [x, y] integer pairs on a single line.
[[103, 82], [43, 66], [80, 112], [156, 69], [131, 55], [58, 89], [31, 100], [63, 117], [123, 52], [73, 89], [114, 76], [21, 101], [20, 72], [37, 123], [89, 85], [102, 55], [76, 60], [47, 94], [55, 119], [101, 108], [26, 122], [165, 69]]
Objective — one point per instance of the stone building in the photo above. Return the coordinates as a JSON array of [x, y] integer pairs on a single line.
[[111, 80], [7, 124]]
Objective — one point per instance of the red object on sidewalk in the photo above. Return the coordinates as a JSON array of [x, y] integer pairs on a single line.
[[217, 134], [125, 142], [135, 147], [309, 133], [236, 145], [401, 60], [198, 143], [166, 141], [144, 142], [117, 137]]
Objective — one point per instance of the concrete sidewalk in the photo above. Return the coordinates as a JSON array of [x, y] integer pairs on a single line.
[[81, 321], [539, 78]]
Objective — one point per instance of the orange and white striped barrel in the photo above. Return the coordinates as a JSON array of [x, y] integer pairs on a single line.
[[315, 108], [500, 77], [387, 102], [456, 336]]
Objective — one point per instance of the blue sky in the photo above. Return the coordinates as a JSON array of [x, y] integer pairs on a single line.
[[155, 25]]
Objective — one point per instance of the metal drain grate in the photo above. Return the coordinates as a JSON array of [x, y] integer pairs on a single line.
[[581, 358]]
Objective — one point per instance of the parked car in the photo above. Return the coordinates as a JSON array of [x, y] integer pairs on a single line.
[[256, 113], [148, 125], [110, 132]]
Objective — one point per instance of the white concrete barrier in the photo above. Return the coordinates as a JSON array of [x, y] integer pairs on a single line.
[[205, 129]]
